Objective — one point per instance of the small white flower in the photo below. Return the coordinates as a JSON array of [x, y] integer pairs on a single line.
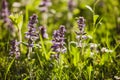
[[106, 50], [93, 45]]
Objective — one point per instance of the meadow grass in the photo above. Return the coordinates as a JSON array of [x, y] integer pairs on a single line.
[[59, 40]]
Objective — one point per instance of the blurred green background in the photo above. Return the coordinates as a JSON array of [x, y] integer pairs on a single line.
[[59, 13]]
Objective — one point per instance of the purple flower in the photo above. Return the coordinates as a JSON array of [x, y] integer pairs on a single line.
[[81, 24], [71, 5], [43, 32], [15, 48], [81, 34], [58, 40], [5, 14], [44, 5], [33, 20], [32, 34]]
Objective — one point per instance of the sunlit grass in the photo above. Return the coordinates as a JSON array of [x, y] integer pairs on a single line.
[[87, 50]]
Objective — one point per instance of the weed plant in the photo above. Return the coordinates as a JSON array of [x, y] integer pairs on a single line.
[[59, 40]]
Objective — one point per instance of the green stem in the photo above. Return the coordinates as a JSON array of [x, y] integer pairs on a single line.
[[29, 52], [43, 47], [44, 18], [20, 38]]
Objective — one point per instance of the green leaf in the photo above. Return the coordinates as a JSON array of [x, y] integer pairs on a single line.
[[75, 52], [95, 18], [88, 7], [89, 69], [17, 19], [9, 66]]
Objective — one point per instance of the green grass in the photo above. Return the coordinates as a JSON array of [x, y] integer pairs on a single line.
[[77, 63]]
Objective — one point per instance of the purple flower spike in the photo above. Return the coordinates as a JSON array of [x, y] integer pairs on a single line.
[[32, 35], [81, 34], [58, 40], [5, 15], [5, 12], [81, 24], [44, 5], [15, 48], [71, 5]]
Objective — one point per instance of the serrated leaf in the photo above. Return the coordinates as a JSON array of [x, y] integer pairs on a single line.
[[17, 19]]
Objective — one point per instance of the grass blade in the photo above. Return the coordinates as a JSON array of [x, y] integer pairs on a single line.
[[9, 66]]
